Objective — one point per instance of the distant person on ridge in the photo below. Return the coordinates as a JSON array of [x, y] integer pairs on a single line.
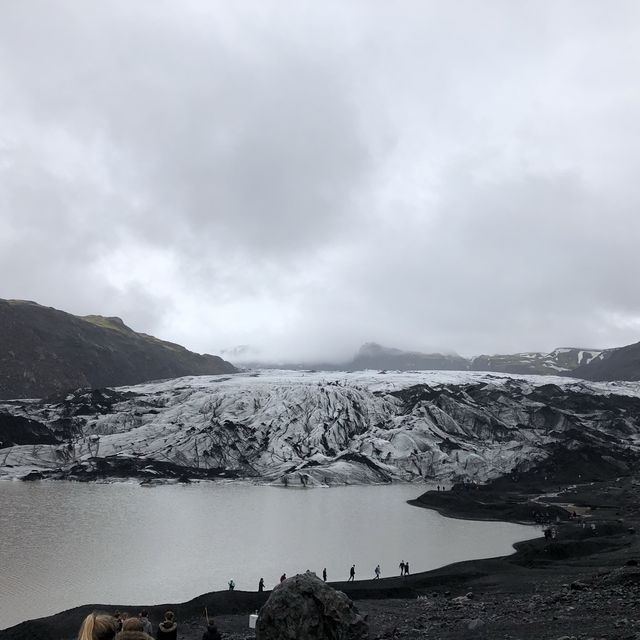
[[352, 573], [406, 568], [97, 626], [283, 577], [261, 585], [324, 574], [232, 585], [168, 629], [377, 571], [401, 567]]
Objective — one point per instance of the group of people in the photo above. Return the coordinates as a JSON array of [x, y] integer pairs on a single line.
[[120, 626], [404, 571]]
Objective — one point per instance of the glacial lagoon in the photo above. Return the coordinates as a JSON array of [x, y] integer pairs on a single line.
[[64, 544]]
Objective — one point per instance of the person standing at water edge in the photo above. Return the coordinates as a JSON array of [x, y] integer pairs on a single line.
[[324, 574], [261, 585], [377, 571], [352, 573]]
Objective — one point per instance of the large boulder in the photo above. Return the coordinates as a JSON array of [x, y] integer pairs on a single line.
[[306, 608]]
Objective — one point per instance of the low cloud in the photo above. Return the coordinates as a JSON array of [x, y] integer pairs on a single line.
[[305, 178]]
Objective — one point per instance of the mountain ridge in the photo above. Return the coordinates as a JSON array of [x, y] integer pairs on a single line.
[[44, 351], [371, 355]]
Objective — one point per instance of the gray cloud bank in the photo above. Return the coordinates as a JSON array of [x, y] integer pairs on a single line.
[[304, 176]]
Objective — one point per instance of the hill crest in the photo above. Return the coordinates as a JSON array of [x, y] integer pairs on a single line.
[[45, 351]]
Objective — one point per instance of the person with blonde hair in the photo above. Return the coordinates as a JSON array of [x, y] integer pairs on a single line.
[[97, 626]]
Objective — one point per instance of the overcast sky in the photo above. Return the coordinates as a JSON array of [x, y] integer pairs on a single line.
[[306, 176]]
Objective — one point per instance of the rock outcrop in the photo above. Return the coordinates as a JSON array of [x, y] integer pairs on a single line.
[[305, 608]]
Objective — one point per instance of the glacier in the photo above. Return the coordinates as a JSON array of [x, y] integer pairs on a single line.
[[308, 428]]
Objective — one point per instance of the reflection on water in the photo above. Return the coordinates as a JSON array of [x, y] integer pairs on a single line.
[[65, 544]]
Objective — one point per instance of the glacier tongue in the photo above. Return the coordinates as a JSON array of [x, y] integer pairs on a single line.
[[309, 428]]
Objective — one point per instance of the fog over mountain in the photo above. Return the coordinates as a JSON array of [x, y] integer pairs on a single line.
[[307, 177]]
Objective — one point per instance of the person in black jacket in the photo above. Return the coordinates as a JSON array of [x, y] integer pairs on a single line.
[[168, 629], [212, 632], [261, 585]]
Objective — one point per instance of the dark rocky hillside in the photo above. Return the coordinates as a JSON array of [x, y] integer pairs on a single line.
[[613, 364], [45, 351], [560, 361]]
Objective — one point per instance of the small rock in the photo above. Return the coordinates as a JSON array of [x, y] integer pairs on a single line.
[[577, 585], [475, 624]]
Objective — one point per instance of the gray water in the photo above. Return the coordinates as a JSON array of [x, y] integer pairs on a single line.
[[65, 544]]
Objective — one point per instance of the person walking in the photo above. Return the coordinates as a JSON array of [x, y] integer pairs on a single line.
[[377, 572], [324, 574], [352, 573], [232, 585], [401, 567], [406, 568], [261, 585]]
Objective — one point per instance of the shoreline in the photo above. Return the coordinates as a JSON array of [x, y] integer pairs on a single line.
[[225, 603], [534, 563]]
